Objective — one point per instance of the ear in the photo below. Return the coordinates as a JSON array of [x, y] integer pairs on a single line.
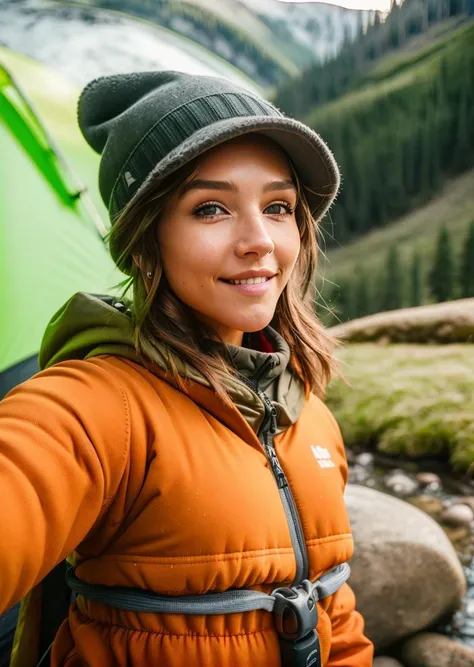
[[138, 261]]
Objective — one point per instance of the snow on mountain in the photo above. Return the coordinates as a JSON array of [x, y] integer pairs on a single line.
[[318, 26], [85, 42]]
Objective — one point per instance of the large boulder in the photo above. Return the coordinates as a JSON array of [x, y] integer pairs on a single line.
[[405, 572], [451, 322], [429, 649], [384, 661]]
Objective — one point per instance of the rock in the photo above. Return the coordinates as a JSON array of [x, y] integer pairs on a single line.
[[467, 500], [428, 479], [457, 515], [428, 504], [385, 661], [447, 322], [365, 459], [400, 483], [357, 474], [405, 572], [429, 649], [456, 533]]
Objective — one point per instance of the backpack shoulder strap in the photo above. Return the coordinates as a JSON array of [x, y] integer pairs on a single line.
[[42, 612], [55, 602]]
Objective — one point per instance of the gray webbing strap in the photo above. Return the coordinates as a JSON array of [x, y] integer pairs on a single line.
[[229, 602]]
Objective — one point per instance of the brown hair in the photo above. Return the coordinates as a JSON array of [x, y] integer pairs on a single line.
[[167, 330]]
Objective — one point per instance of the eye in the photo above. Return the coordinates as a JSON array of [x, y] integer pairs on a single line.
[[287, 209], [208, 210]]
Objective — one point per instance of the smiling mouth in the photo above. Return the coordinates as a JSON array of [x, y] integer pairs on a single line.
[[264, 277], [248, 281]]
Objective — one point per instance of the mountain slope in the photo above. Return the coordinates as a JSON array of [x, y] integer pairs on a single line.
[[269, 40], [417, 231], [316, 30], [399, 137]]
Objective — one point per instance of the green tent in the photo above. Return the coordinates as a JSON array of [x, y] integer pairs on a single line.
[[50, 235]]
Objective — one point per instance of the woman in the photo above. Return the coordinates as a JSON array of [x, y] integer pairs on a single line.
[[175, 445]]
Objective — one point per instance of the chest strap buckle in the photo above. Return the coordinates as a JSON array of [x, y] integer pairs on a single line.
[[296, 617], [295, 611]]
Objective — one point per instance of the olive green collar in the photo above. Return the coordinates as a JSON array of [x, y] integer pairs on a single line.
[[260, 368], [269, 372], [88, 326]]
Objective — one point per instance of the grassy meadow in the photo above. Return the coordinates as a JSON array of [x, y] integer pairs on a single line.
[[409, 400]]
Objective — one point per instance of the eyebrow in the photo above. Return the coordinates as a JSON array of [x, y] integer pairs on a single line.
[[203, 184]]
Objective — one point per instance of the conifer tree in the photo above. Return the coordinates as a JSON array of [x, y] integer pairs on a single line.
[[441, 277], [362, 304], [415, 286], [467, 264], [392, 296]]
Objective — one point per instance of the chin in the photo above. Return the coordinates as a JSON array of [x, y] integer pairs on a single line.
[[249, 324]]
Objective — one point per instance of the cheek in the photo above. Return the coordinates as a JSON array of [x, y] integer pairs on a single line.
[[188, 259], [289, 248]]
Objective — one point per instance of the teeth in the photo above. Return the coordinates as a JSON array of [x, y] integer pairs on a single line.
[[249, 281]]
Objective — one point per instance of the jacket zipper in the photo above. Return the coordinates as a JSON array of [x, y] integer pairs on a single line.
[[266, 434]]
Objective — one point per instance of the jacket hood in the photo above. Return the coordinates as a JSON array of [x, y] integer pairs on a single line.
[[87, 326], [91, 325]]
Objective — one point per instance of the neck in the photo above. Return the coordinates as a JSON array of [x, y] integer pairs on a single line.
[[232, 338]]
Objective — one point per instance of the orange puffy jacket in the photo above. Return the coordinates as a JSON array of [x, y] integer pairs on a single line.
[[172, 493]]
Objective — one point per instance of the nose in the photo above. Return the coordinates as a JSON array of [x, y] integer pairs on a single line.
[[254, 238]]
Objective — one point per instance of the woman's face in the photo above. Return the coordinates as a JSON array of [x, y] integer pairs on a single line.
[[229, 239]]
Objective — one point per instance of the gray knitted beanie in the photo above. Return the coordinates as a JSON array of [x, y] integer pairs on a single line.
[[146, 125]]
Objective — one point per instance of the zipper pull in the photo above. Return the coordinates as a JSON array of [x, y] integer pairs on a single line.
[[273, 420], [271, 409], [276, 467]]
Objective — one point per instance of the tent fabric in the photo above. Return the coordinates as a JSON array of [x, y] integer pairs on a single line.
[[49, 248]]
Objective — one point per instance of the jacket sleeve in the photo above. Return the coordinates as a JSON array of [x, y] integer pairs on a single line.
[[64, 438], [349, 646]]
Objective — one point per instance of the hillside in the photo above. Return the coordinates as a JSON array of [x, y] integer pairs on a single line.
[[312, 31], [405, 144], [416, 231], [413, 51], [407, 27]]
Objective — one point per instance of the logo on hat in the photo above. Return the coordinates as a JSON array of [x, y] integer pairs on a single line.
[[129, 178]]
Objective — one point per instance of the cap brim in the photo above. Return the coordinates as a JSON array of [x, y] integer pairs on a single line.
[[312, 159]]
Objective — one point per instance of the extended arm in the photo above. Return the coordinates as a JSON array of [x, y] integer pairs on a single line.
[[63, 442]]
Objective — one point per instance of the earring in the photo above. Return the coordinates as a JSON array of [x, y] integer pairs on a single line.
[[149, 275]]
